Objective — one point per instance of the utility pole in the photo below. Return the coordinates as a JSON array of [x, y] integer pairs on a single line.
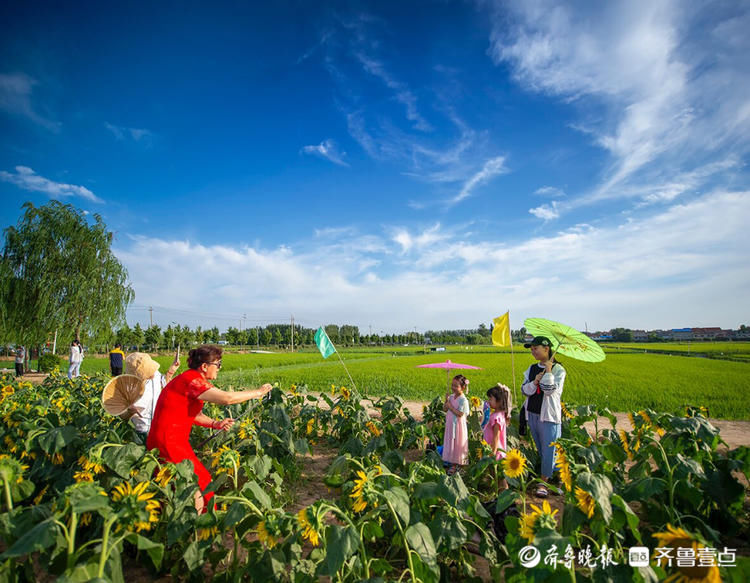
[[292, 334], [151, 314]]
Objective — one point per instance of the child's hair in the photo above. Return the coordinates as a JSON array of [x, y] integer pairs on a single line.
[[501, 394], [461, 379]]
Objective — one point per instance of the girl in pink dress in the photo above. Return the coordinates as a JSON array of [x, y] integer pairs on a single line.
[[456, 438], [499, 400]]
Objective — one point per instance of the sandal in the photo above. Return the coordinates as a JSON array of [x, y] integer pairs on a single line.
[[541, 492]]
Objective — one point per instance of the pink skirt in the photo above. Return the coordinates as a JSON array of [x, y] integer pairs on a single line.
[[455, 440]]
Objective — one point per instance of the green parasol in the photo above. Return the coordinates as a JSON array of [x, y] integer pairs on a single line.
[[567, 340]]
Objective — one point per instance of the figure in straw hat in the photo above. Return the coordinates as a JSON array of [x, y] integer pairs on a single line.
[[179, 408], [133, 395]]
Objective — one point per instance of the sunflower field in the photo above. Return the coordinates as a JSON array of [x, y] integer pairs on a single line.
[[83, 499]]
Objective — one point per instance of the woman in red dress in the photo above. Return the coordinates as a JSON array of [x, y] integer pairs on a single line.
[[179, 408]]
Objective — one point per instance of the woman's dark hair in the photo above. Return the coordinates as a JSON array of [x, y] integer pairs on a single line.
[[501, 394], [205, 353]]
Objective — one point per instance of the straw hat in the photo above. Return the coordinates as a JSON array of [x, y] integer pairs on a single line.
[[141, 365], [120, 393]]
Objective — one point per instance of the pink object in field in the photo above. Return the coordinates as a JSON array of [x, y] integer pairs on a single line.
[[448, 366]]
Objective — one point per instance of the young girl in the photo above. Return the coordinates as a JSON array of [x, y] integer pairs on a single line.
[[456, 438], [498, 398]]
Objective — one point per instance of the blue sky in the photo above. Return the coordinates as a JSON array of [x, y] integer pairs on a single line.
[[394, 164]]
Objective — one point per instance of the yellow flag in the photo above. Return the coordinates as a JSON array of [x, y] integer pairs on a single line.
[[501, 330]]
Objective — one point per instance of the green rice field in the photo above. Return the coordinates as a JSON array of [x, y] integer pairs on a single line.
[[629, 379]]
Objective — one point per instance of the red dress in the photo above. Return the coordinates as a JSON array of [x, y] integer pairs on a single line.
[[174, 416]]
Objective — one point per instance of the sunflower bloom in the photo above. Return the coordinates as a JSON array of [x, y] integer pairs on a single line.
[[564, 467], [645, 417], [679, 538], [475, 402], [308, 530], [624, 440], [83, 476], [514, 464], [163, 476], [38, 497], [57, 459], [206, 533], [310, 424], [137, 504], [632, 420], [586, 502], [345, 393], [528, 522], [372, 428], [247, 429], [264, 536], [85, 519]]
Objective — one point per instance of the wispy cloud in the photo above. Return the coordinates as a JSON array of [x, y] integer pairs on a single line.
[[669, 80], [402, 92], [666, 268], [143, 136], [551, 191], [27, 179], [327, 149], [492, 167], [16, 98]]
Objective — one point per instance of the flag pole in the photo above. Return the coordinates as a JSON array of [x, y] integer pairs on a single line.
[[346, 369], [512, 359]]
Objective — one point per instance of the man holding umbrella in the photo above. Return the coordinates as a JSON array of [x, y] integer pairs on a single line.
[[543, 386]]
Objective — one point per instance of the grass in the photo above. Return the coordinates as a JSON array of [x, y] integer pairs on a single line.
[[628, 379]]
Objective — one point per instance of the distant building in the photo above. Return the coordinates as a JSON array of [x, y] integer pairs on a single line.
[[706, 333], [640, 335], [682, 334]]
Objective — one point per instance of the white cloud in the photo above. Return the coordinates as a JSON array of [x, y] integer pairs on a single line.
[[660, 271], [27, 179], [668, 82], [546, 212], [16, 98], [492, 167], [327, 149], [121, 133], [549, 191]]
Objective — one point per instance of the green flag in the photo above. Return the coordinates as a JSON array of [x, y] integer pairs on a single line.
[[324, 343]]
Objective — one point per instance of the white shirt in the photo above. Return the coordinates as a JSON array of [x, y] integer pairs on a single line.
[[76, 354], [551, 385], [147, 403]]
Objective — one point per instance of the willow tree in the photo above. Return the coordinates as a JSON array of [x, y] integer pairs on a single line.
[[58, 272]]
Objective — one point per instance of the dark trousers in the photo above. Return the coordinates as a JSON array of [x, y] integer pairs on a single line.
[[19, 369], [116, 370]]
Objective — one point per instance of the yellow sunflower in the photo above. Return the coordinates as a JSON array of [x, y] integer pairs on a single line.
[[475, 402], [136, 505], [206, 533], [528, 523], [83, 476], [372, 428], [310, 424], [264, 536], [514, 464], [345, 393], [586, 502], [679, 538], [163, 476], [247, 429], [308, 530], [624, 440], [564, 467], [565, 411]]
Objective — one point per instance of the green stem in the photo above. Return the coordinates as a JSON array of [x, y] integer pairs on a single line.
[[406, 544], [8, 497], [105, 541], [240, 499], [72, 539], [362, 550]]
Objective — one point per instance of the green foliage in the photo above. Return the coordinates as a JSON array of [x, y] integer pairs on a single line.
[[48, 363], [58, 272]]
